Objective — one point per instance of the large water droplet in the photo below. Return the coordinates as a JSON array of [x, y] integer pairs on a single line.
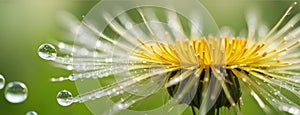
[[64, 98], [31, 113], [47, 51], [16, 92], [2, 81]]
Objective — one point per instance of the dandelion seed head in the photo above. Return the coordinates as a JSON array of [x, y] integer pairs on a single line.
[[119, 61]]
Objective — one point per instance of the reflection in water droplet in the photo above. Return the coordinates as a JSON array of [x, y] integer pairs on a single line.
[[47, 52], [2, 81], [16, 92], [31, 113], [64, 98]]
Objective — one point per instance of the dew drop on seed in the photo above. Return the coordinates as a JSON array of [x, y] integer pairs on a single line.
[[47, 52], [64, 98], [31, 113], [293, 110], [16, 92], [2, 81], [72, 77]]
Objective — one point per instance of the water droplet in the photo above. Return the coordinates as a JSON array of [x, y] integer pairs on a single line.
[[31, 113], [69, 67], [122, 99], [276, 92], [244, 79], [121, 106], [294, 110], [16, 92], [177, 79], [72, 77], [64, 98], [47, 51], [108, 92], [273, 100], [2, 81]]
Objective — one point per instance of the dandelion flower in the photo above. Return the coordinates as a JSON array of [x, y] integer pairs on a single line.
[[127, 52]]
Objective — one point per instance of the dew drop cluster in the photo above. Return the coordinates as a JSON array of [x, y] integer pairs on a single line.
[[48, 52]]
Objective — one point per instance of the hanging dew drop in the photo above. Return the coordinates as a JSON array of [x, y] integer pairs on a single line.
[[47, 51], [16, 92], [64, 98], [2, 81], [31, 113]]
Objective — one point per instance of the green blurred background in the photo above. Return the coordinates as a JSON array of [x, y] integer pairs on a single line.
[[25, 24]]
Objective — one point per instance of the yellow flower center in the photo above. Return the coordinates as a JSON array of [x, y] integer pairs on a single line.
[[198, 52]]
